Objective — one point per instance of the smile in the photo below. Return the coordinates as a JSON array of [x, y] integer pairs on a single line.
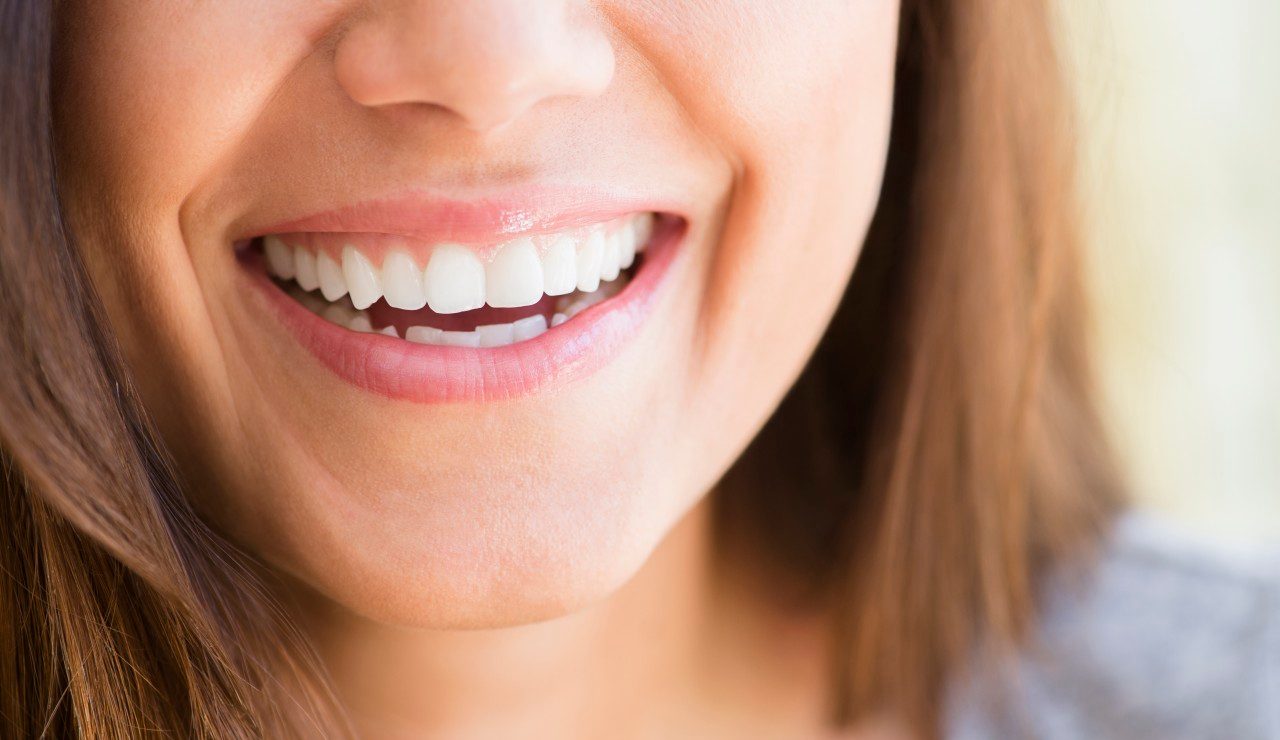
[[430, 321], [450, 300]]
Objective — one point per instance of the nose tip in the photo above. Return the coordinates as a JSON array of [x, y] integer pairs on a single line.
[[485, 61]]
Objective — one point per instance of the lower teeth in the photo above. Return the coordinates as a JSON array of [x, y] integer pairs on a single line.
[[343, 314]]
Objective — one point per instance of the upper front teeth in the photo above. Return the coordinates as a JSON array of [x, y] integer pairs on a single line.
[[453, 281], [514, 276], [456, 278]]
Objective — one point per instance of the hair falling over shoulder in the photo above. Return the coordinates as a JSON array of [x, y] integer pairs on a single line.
[[942, 450]]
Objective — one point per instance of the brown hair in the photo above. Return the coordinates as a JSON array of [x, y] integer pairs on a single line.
[[937, 456], [943, 441], [123, 614]]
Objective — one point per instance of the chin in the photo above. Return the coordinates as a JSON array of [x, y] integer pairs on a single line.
[[474, 557]]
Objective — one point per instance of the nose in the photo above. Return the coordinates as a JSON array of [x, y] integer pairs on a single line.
[[486, 61]]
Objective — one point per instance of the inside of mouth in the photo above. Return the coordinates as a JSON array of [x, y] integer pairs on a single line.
[[382, 318]]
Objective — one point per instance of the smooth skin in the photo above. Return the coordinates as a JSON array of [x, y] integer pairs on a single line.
[[531, 567]]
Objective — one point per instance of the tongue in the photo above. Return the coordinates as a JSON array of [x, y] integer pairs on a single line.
[[382, 315]]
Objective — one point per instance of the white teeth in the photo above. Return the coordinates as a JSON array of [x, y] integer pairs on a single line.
[[332, 284], [517, 275], [495, 335], [492, 335], [362, 280], [642, 228], [514, 276], [402, 282], [340, 313], [528, 327], [279, 258], [424, 335], [559, 268], [609, 260], [583, 267], [304, 264], [573, 305], [454, 279], [460, 338], [627, 249], [588, 264], [457, 280]]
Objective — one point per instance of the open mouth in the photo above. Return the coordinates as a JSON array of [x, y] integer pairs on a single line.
[[433, 321], [456, 295]]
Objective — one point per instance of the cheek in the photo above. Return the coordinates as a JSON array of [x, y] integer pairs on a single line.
[[806, 116], [148, 97], [153, 96]]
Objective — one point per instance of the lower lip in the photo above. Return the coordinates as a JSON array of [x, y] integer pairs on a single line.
[[425, 373]]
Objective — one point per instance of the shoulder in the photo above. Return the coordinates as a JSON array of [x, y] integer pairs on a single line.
[[1166, 638]]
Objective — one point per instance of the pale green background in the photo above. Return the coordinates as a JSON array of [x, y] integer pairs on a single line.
[[1180, 111]]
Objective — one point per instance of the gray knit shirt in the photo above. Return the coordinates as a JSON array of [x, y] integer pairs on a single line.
[[1166, 640]]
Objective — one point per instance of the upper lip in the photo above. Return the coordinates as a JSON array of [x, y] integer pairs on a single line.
[[434, 217]]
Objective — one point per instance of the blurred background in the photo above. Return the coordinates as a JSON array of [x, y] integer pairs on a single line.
[[1179, 117]]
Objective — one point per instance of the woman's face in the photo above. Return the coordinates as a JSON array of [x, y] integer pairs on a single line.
[[462, 155]]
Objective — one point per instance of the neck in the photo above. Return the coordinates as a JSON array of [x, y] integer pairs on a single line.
[[675, 636]]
